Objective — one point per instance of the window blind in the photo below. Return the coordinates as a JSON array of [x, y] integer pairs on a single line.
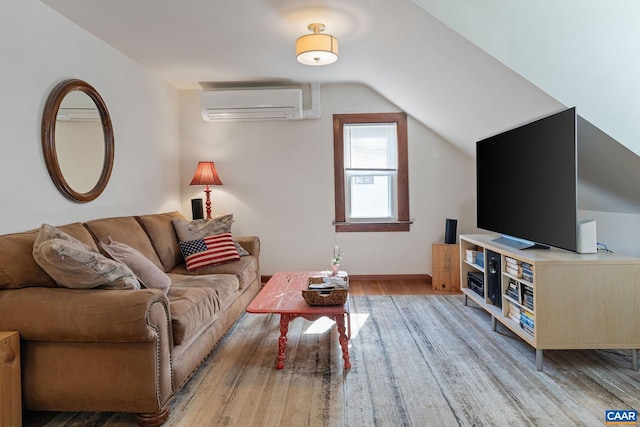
[[370, 146]]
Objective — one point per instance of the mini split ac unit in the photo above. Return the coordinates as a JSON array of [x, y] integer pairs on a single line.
[[251, 104]]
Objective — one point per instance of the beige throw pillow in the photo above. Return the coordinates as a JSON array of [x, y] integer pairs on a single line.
[[201, 228], [73, 264], [147, 272]]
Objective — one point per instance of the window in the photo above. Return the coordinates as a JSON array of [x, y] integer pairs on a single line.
[[371, 172]]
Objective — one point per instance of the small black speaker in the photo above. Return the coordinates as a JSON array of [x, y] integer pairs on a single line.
[[450, 231], [494, 273], [196, 209]]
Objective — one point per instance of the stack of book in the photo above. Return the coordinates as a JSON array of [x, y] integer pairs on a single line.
[[471, 255], [527, 296], [512, 290], [514, 312], [527, 271], [526, 320], [513, 267]]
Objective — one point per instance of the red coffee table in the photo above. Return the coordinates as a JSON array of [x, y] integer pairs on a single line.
[[282, 295]]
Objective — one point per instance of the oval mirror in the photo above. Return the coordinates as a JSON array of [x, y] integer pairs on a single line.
[[77, 140]]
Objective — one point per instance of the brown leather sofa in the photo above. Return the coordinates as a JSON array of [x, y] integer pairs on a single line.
[[119, 350]]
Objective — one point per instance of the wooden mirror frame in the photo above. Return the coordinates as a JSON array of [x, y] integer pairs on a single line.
[[49, 118]]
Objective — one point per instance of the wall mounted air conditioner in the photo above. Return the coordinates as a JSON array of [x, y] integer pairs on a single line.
[[251, 104]]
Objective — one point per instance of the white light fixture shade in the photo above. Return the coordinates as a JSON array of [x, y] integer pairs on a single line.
[[317, 49]]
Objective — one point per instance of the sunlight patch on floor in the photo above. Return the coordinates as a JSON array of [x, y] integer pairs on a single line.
[[323, 324]]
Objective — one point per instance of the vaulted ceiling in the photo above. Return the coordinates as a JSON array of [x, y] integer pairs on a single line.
[[466, 69], [395, 47]]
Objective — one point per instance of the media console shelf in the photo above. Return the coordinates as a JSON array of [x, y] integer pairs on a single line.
[[559, 300]]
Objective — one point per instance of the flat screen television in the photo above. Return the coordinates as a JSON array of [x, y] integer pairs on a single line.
[[527, 183]]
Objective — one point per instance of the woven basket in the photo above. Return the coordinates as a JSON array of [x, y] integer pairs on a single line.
[[324, 296]]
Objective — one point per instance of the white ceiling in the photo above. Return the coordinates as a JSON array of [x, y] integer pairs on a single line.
[[393, 46]]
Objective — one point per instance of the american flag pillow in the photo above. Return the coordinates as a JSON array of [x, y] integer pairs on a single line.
[[208, 251]]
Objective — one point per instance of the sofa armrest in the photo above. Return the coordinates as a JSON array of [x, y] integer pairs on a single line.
[[94, 315], [250, 243]]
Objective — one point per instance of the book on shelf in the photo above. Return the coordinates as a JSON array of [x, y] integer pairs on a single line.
[[526, 297], [517, 271], [528, 302], [527, 321], [524, 318], [512, 290], [510, 260], [514, 312], [471, 256], [514, 308], [527, 271], [527, 328], [513, 294]]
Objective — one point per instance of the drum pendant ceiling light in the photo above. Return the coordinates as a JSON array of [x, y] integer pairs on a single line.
[[317, 49]]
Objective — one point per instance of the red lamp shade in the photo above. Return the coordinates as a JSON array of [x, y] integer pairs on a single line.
[[206, 175]]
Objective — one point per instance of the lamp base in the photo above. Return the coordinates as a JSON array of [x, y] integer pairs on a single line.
[[207, 191]]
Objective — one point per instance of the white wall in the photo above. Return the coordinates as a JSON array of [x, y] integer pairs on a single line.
[[618, 231], [40, 48], [582, 52], [278, 183]]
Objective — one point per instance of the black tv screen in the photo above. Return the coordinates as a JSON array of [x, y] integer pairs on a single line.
[[527, 180]]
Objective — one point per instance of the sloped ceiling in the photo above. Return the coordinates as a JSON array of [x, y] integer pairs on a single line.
[[586, 53], [465, 69], [395, 47]]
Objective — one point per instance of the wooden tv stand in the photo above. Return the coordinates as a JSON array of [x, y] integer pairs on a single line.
[[574, 301]]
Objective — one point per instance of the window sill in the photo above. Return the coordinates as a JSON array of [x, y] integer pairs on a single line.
[[373, 226]]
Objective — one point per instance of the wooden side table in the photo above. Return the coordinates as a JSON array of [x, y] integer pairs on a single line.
[[446, 267], [10, 388]]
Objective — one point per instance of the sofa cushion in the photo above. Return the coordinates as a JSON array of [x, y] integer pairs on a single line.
[[211, 250], [18, 268], [245, 270], [200, 228], [194, 302], [73, 264], [126, 230], [159, 228], [147, 272], [224, 284]]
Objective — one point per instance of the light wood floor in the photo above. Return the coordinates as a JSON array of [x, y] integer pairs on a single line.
[[389, 286], [393, 287]]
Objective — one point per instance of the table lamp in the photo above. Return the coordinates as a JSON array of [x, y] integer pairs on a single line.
[[206, 175]]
